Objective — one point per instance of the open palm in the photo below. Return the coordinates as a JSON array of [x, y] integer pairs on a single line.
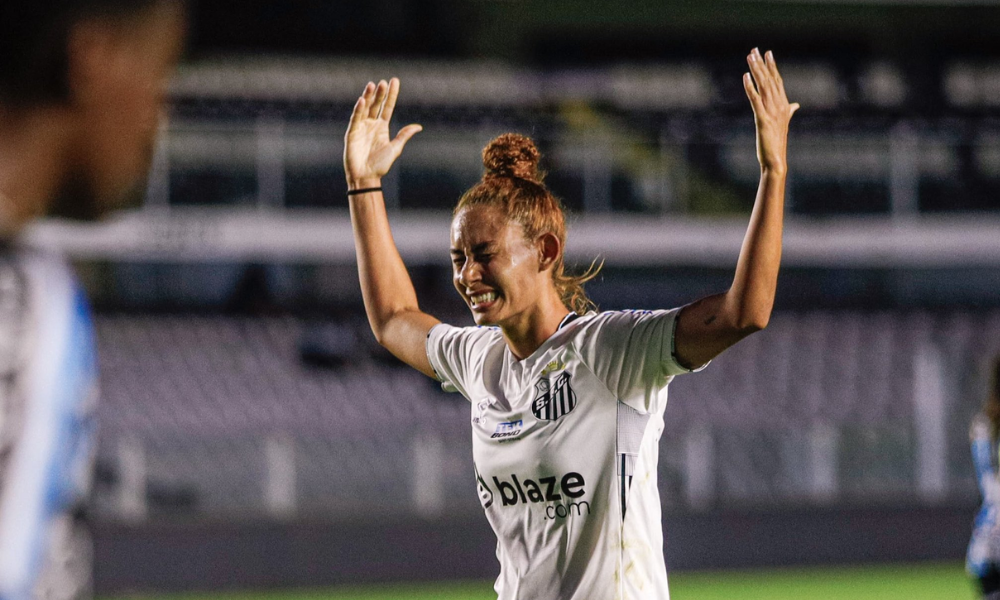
[[368, 150]]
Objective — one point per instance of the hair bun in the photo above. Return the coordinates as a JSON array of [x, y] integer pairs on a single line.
[[512, 155]]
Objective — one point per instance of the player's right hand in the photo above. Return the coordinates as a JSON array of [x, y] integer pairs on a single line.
[[368, 151]]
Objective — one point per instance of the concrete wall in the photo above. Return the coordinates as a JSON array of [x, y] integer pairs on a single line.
[[201, 555]]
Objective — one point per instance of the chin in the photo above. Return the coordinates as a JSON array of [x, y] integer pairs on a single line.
[[484, 319]]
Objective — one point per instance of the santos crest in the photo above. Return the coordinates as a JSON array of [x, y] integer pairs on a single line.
[[553, 400]]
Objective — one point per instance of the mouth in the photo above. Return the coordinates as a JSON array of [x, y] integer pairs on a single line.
[[482, 301]]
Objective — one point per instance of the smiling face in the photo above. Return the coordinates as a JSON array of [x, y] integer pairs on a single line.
[[495, 269]]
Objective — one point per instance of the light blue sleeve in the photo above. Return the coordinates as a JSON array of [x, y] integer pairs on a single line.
[[983, 450], [49, 472]]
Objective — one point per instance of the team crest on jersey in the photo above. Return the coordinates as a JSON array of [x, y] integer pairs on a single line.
[[553, 400]]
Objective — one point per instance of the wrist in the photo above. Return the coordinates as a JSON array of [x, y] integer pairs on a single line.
[[363, 183], [774, 170]]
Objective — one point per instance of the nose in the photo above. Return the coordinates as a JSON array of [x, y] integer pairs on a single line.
[[469, 273]]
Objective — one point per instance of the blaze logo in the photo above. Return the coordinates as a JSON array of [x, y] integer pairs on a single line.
[[508, 429], [561, 494], [485, 493], [553, 400]]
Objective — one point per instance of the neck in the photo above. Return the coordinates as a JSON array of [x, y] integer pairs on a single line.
[[29, 160], [525, 334]]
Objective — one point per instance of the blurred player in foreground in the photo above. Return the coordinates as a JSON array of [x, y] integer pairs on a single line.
[[82, 84], [983, 558], [567, 404]]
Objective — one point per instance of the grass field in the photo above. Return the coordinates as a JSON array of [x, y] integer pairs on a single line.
[[907, 582]]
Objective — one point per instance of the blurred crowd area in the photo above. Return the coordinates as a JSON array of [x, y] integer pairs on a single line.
[[228, 416], [652, 137]]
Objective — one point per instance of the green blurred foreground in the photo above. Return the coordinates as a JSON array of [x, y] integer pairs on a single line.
[[908, 582]]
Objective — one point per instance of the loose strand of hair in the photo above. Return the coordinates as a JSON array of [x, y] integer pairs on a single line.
[[570, 287]]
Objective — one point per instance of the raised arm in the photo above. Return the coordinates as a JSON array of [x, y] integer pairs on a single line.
[[710, 325], [390, 300]]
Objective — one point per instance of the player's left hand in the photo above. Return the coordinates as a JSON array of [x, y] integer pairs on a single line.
[[771, 109]]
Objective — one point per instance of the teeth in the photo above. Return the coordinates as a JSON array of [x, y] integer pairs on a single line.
[[483, 298]]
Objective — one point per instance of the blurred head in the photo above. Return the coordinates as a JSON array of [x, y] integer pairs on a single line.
[[508, 236], [103, 67]]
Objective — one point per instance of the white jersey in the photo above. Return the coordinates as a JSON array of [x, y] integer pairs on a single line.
[[565, 444]]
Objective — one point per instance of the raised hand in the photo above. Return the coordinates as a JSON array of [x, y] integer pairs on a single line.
[[771, 109], [368, 151]]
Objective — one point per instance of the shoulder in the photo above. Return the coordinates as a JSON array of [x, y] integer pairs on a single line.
[[625, 319], [478, 334], [613, 329], [462, 343]]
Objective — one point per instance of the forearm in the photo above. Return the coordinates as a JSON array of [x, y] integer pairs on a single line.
[[749, 301], [709, 326], [385, 284], [390, 300]]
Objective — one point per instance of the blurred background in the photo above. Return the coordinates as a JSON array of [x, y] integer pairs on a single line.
[[254, 437]]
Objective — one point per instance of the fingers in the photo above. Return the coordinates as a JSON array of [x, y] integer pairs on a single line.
[[390, 100], [761, 74], [772, 67], [356, 114], [770, 87], [405, 134], [379, 97], [751, 91], [360, 108], [368, 95]]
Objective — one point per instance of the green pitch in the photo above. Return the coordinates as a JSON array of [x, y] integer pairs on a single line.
[[908, 582]]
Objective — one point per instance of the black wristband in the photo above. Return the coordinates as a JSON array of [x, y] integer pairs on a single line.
[[363, 191]]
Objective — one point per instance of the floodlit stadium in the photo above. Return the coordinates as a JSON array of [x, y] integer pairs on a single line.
[[256, 442]]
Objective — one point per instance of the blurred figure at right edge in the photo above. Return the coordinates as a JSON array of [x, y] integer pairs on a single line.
[[983, 559]]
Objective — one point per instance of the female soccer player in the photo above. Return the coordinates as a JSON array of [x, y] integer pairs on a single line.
[[983, 558], [567, 405]]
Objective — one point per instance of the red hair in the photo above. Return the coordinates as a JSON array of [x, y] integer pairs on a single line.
[[512, 183]]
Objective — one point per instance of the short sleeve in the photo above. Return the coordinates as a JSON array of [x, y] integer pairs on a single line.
[[457, 354], [633, 352]]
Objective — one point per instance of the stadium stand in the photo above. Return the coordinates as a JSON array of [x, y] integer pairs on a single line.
[[819, 391]]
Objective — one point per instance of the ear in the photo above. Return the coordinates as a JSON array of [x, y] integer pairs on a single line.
[[549, 250]]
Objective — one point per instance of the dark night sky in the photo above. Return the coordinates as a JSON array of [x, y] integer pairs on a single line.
[[588, 30]]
